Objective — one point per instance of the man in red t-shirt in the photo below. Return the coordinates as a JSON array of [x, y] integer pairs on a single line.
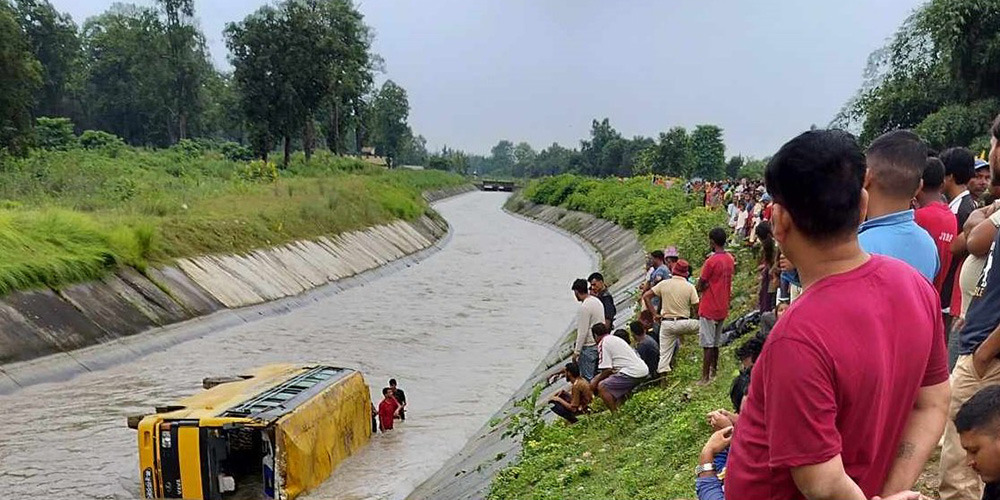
[[388, 409], [936, 218], [716, 286], [850, 393]]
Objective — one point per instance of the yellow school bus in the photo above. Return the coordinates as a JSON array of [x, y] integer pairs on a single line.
[[280, 430]]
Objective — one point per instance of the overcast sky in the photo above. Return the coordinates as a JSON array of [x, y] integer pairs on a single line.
[[540, 70]]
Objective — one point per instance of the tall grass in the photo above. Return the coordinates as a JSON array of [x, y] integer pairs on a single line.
[[71, 216]]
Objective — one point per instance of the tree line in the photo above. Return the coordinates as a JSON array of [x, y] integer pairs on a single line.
[[938, 75], [606, 153], [303, 77]]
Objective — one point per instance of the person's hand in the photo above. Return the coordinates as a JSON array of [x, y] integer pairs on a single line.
[[718, 420], [979, 364], [902, 495], [719, 441], [785, 264], [657, 318], [576, 357]]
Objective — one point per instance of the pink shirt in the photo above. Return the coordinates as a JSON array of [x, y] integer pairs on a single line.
[[838, 375]]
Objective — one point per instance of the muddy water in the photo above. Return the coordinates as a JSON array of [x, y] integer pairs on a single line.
[[461, 331]]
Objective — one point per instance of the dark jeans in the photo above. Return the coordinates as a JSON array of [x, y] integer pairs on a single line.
[[564, 412]]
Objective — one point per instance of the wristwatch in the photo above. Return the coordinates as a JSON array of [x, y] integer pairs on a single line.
[[709, 467]]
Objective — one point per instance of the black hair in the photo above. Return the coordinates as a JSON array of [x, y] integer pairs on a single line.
[[750, 349], [817, 178], [622, 334], [385, 390], [739, 389], [599, 329], [581, 286], [897, 160], [718, 236], [657, 254], [595, 276], [769, 249], [933, 174], [573, 368], [959, 163], [981, 411], [636, 328], [392, 381], [995, 128]]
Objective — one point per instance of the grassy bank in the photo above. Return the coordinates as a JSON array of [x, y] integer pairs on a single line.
[[649, 449], [70, 216]]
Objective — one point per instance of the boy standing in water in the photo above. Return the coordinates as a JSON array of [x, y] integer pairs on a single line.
[[400, 398], [388, 409]]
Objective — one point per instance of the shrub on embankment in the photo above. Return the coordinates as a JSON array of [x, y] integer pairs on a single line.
[[73, 215], [649, 449]]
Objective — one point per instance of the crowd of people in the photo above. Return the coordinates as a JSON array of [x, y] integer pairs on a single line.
[[871, 264]]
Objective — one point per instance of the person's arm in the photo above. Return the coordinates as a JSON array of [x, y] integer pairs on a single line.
[[560, 400], [826, 481], [582, 330], [706, 275], [980, 237], [987, 352], [920, 436], [574, 403], [647, 299]]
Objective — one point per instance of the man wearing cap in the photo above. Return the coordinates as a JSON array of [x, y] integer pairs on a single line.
[[670, 257], [678, 303], [980, 182]]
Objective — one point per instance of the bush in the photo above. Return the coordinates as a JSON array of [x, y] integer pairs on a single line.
[[188, 148], [236, 152], [259, 171], [54, 134], [98, 139]]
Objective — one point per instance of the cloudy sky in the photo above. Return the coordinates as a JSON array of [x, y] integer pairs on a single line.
[[540, 70]]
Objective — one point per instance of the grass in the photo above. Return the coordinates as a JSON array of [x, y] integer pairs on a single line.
[[649, 448], [73, 216]]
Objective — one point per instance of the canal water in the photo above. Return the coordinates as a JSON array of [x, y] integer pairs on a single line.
[[460, 331]]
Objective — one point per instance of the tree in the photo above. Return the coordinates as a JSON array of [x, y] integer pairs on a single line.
[[186, 62], [390, 109], [674, 155], [20, 77], [53, 39], [597, 161], [502, 157], [524, 154], [351, 66], [709, 152], [734, 165], [125, 55], [255, 45], [414, 150], [944, 55]]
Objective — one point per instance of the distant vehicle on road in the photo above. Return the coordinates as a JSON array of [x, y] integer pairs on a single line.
[[282, 429]]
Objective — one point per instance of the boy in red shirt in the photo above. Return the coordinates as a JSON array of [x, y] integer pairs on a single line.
[[850, 393], [388, 409], [936, 218], [716, 287]]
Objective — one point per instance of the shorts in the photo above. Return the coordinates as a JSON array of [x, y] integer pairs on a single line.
[[619, 385], [709, 332]]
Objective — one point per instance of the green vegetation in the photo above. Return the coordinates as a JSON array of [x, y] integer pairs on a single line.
[[648, 449], [938, 75], [69, 216]]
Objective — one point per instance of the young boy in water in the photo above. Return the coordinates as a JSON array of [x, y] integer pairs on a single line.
[[388, 409], [400, 398]]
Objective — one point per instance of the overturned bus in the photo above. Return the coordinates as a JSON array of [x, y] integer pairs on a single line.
[[274, 433]]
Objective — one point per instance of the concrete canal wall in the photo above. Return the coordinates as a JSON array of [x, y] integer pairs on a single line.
[[468, 474], [51, 334]]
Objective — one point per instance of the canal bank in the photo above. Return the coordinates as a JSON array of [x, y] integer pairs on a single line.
[[53, 334], [461, 331], [469, 473]]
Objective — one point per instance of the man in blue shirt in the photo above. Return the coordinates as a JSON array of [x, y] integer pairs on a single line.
[[896, 163]]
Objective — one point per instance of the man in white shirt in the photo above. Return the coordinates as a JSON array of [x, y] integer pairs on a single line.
[[621, 368], [591, 312]]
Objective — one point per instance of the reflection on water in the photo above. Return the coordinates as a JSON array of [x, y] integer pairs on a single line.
[[460, 331]]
